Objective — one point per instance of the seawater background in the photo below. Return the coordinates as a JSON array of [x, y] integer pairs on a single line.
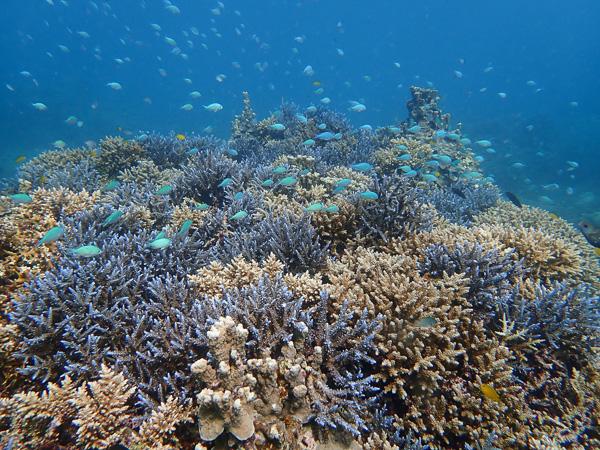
[[554, 43]]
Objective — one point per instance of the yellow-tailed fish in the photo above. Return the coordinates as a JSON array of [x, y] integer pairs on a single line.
[[179, 136], [20, 159]]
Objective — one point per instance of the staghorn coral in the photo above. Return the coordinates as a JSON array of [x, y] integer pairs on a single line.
[[147, 171], [567, 318], [169, 151], [396, 212], [26, 223], [293, 240], [490, 272], [461, 201], [242, 125], [96, 415], [69, 168], [116, 155], [239, 273]]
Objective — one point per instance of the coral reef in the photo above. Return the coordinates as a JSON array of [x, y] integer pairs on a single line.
[[269, 292]]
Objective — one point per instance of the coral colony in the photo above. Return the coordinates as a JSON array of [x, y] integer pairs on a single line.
[[302, 284]]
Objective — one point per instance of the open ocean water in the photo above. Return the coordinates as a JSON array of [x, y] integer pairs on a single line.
[[521, 80]]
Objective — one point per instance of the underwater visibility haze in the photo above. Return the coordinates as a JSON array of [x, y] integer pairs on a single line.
[[299, 224]]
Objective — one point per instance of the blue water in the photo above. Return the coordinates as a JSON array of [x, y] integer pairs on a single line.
[[386, 46]]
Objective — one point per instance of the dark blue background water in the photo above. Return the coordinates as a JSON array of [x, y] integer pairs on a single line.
[[553, 43]]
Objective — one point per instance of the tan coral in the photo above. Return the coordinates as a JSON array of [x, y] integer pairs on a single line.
[[243, 123], [552, 248], [432, 350], [117, 154], [25, 223], [147, 171], [240, 273]]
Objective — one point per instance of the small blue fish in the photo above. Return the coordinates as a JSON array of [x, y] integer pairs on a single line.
[[405, 157], [311, 109], [322, 126], [441, 133], [343, 182], [337, 136], [453, 136], [402, 147], [484, 143], [301, 118], [317, 207], [429, 177], [160, 235], [267, 183], [86, 251], [287, 181], [239, 215], [230, 152], [326, 136], [186, 226], [465, 141], [414, 129], [369, 195], [201, 207], [21, 198], [362, 167], [394, 129], [308, 142], [444, 159], [332, 209], [366, 127], [277, 127], [338, 189], [225, 182], [142, 137], [279, 170], [51, 235], [434, 164], [165, 190], [113, 217], [111, 186], [238, 195], [192, 151], [304, 172], [411, 173], [162, 242]]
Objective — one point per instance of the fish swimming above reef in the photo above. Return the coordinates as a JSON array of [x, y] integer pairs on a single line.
[[590, 232], [513, 198], [86, 251], [21, 198], [51, 235]]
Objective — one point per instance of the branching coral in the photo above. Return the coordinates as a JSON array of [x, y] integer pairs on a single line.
[[396, 212], [116, 155], [293, 240]]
